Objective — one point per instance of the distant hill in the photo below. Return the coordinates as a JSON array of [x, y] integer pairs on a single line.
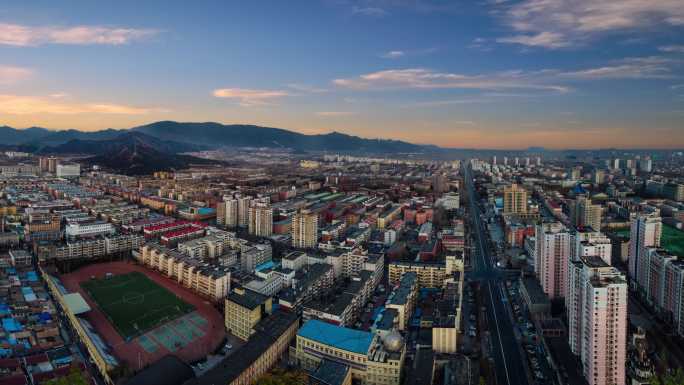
[[126, 139], [213, 135], [137, 154], [239, 135]]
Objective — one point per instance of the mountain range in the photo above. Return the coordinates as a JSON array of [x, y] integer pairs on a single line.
[[214, 135], [159, 146]]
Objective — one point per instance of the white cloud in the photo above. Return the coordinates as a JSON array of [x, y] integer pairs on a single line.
[[421, 78], [250, 97], [652, 67], [9, 74], [542, 39], [27, 105], [393, 54], [335, 113], [510, 83], [307, 88], [23, 35], [676, 86], [561, 23], [672, 48], [448, 102], [368, 11]]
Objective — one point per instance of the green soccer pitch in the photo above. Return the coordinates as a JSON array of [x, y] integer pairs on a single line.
[[135, 304]]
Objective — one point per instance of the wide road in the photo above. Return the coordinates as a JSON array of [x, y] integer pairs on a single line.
[[506, 352]]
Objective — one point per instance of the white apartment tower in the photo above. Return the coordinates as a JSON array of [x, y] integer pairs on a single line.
[[305, 229], [645, 232], [553, 251]]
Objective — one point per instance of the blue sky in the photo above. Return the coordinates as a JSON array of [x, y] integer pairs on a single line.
[[487, 73]]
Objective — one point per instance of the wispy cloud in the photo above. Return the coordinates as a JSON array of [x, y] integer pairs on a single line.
[[481, 44], [560, 23], [9, 74], [396, 54], [672, 48], [652, 67], [368, 11], [510, 83], [421, 78], [307, 88], [23, 35], [335, 113], [541, 39], [449, 102], [27, 105], [393, 54], [250, 97], [676, 86], [379, 8]]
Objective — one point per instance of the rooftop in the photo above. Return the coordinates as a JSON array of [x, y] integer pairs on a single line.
[[351, 340]]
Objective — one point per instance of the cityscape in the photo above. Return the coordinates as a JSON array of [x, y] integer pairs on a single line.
[[342, 192]]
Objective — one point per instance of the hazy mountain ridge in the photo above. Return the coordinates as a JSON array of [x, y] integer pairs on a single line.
[[215, 135]]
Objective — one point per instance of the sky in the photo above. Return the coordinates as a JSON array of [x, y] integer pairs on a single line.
[[465, 74]]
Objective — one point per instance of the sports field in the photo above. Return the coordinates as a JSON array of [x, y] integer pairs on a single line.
[[134, 303], [671, 239]]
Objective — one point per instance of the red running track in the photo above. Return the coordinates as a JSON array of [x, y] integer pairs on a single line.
[[131, 352]]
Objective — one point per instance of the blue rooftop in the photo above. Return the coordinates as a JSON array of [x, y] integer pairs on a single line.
[[351, 340], [265, 265]]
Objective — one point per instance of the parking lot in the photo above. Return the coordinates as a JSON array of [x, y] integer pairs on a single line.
[[529, 337]]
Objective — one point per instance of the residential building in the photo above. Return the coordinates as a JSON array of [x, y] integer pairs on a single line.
[[674, 191], [403, 298], [244, 309], [266, 347], [260, 220], [227, 213], [645, 232], [371, 359], [305, 229], [553, 250], [68, 170], [206, 279], [583, 213], [515, 200], [597, 314]]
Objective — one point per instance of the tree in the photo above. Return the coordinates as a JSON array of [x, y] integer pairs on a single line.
[[675, 378], [283, 377], [75, 377]]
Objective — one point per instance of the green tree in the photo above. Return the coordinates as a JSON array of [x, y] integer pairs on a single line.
[[75, 377], [283, 377], [675, 378]]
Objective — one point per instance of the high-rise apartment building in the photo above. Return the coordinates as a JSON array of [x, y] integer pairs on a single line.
[[646, 165], [440, 183], [260, 220], [243, 211], [598, 176], [583, 213], [227, 212], [645, 232], [597, 320], [305, 229], [591, 244], [515, 200], [616, 163], [553, 250], [674, 191]]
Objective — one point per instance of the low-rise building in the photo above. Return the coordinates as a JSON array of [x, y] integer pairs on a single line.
[[371, 359], [243, 311]]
